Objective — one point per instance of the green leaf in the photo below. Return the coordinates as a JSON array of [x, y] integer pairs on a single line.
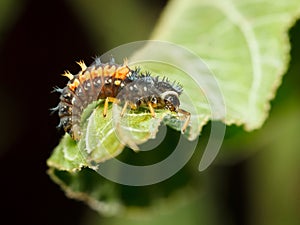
[[73, 165], [244, 43], [105, 137], [67, 156]]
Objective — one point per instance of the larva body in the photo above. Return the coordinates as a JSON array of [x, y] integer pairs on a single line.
[[114, 83]]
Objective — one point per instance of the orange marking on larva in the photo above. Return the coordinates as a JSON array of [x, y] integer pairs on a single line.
[[84, 77], [122, 72], [74, 85], [117, 82], [99, 71], [94, 73], [105, 72], [87, 75], [109, 71]]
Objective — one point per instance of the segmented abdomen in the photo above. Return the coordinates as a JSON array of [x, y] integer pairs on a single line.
[[92, 83]]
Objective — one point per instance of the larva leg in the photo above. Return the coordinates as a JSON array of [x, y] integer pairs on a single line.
[[187, 116], [108, 100], [151, 109], [124, 108]]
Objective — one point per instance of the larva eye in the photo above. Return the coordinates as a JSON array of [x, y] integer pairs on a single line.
[[154, 100], [172, 102]]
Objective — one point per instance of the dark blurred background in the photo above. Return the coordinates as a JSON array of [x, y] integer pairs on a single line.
[[41, 39]]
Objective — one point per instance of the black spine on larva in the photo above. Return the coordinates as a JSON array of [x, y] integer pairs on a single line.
[[165, 85], [65, 109], [144, 89], [139, 91]]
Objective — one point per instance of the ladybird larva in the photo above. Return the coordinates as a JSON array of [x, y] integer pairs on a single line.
[[114, 83]]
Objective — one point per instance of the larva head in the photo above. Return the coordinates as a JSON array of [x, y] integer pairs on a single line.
[[171, 100]]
